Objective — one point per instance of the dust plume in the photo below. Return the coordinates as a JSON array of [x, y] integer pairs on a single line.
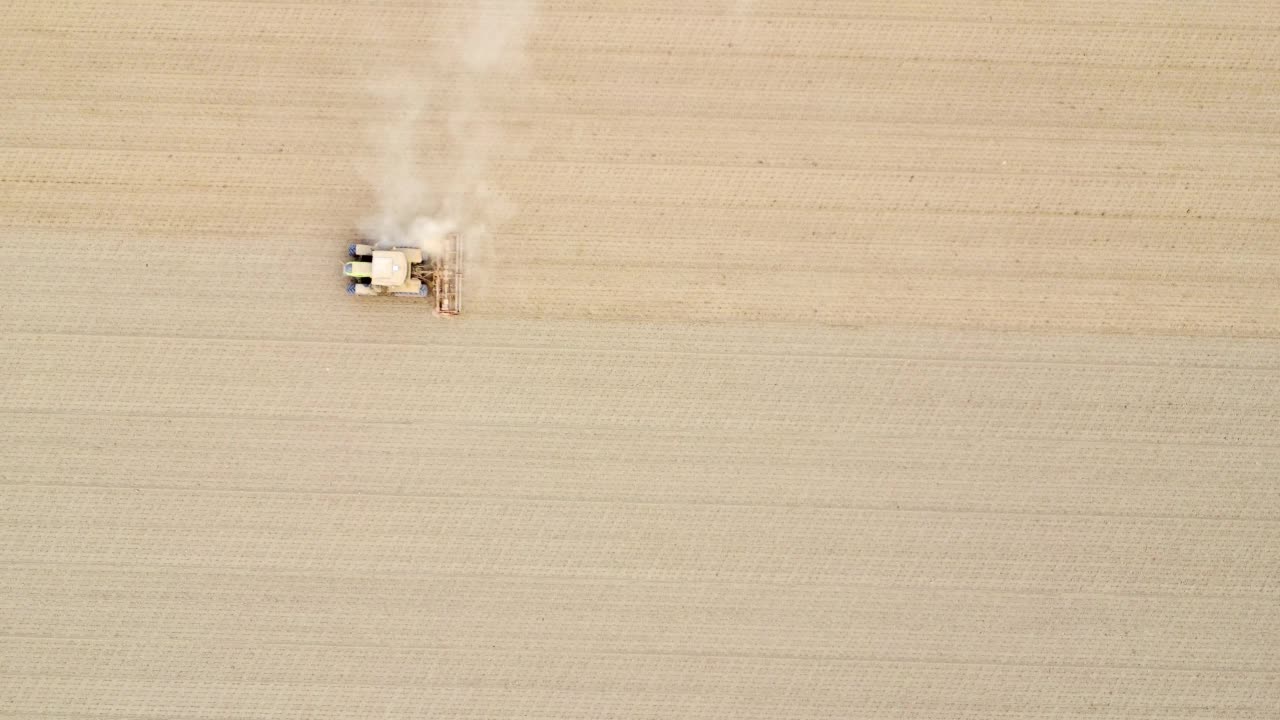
[[420, 196]]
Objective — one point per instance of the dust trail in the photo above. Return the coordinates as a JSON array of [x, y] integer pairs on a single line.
[[421, 198], [399, 185]]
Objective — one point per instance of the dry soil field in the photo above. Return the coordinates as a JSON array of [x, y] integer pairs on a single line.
[[834, 359]]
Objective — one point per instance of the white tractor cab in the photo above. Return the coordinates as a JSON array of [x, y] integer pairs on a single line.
[[386, 272]]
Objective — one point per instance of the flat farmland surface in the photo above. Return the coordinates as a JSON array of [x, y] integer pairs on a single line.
[[830, 360]]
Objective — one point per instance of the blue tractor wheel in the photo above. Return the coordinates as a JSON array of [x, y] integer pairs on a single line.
[[351, 250], [351, 289]]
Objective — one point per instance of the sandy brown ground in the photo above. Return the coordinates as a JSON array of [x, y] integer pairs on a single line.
[[842, 360]]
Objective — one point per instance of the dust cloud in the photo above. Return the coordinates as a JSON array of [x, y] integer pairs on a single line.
[[422, 197]]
